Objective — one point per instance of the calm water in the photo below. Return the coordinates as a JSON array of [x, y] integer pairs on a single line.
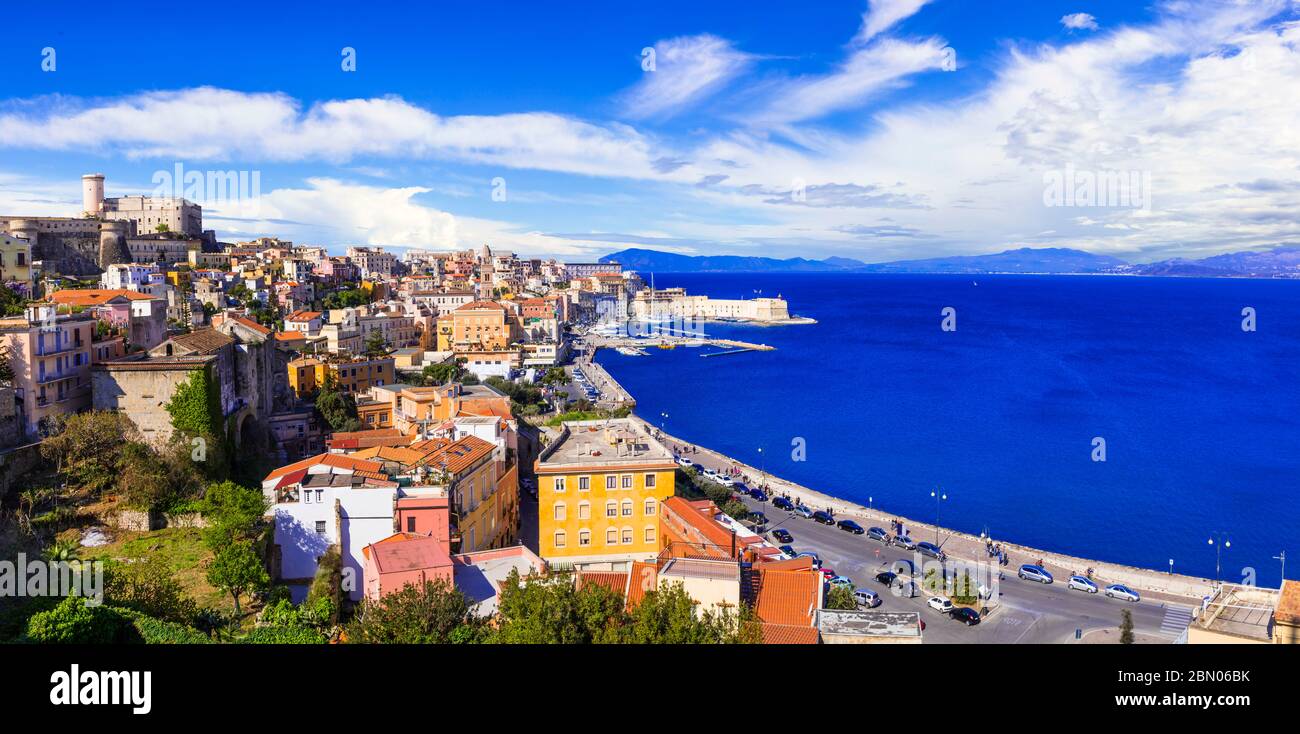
[[1201, 420]]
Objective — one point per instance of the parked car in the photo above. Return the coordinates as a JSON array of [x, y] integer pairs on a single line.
[[823, 517], [759, 495], [965, 614], [782, 503], [1120, 591], [866, 598], [930, 549], [1082, 583], [817, 561], [782, 535], [1030, 572], [788, 550], [850, 526], [828, 573], [940, 604], [879, 534], [886, 577], [742, 488], [685, 462], [803, 512], [726, 481], [903, 541], [844, 581]]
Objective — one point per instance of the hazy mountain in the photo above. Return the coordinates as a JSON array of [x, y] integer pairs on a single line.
[[1283, 260]]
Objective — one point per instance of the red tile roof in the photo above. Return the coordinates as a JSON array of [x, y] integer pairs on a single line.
[[789, 634], [95, 296], [612, 580], [338, 461], [787, 597]]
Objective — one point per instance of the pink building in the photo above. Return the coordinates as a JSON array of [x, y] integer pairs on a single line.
[[405, 558]]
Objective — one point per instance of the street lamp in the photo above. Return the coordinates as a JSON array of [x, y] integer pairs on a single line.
[[938, 496], [1218, 551], [762, 463], [1282, 557], [1171, 566]]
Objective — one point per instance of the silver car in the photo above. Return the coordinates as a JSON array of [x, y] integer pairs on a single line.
[[904, 542], [1122, 592], [866, 598]]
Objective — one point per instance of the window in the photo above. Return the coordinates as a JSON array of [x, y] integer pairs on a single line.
[[559, 511], [627, 481], [627, 536], [584, 510], [320, 527], [611, 537], [611, 482], [559, 484], [649, 534], [611, 509], [559, 539], [650, 506], [306, 496], [584, 538], [410, 525], [650, 480], [584, 483], [627, 508]]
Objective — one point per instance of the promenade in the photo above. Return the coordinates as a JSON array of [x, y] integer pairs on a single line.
[[1154, 585]]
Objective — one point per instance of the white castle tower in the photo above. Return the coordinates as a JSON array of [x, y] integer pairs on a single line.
[[92, 194]]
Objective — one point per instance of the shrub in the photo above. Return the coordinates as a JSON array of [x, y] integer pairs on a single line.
[[283, 636], [150, 589], [72, 622]]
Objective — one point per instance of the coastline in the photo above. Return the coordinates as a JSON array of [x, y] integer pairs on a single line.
[[1163, 585]]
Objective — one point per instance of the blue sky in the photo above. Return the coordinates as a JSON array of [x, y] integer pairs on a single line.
[[875, 129]]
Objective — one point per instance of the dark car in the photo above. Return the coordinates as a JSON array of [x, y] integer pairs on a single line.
[[929, 549], [783, 535], [758, 518], [878, 534], [781, 503], [742, 488], [886, 578], [965, 614], [788, 550], [823, 517], [759, 495], [850, 526]]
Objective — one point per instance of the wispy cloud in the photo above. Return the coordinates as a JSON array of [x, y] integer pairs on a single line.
[[686, 70], [882, 15], [1079, 22]]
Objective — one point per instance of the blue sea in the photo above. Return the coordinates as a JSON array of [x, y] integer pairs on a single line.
[[1201, 420]]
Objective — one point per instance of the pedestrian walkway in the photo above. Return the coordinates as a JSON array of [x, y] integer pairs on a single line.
[[1177, 619]]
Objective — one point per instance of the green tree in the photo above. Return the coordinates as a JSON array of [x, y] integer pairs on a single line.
[[72, 622], [555, 376], [1125, 627], [426, 614], [338, 409], [87, 448], [240, 294], [195, 406], [376, 346], [236, 569], [150, 588], [549, 610], [143, 479], [441, 374], [840, 597], [233, 513]]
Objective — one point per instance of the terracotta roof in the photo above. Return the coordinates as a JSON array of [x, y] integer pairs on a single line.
[[802, 563], [338, 461], [1288, 604], [96, 296], [612, 580], [409, 552], [461, 455], [398, 454], [251, 324], [642, 578], [787, 597], [303, 316], [475, 305], [789, 634], [203, 341]]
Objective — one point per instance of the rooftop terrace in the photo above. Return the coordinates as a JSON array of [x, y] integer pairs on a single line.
[[598, 442]]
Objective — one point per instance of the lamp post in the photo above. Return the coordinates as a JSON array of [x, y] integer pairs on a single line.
[[1282, 557], [939, 496], [1171, 566], [1218, 551], [762, 464]]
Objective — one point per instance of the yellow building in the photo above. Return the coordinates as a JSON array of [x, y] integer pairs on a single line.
[[480, 325], [599, 489], [307, 374], [16, 261]]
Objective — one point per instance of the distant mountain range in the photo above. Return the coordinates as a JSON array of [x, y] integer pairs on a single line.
[[1281, 261]]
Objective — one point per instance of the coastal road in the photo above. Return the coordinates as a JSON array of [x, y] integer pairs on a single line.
[[1027, 611]]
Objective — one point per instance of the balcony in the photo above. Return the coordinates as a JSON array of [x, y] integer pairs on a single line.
[[47, 377]]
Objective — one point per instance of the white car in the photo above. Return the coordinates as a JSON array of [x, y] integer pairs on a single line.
[[725, 480], [683, 461], [1124, 593], [940, 603], [1082, 583]]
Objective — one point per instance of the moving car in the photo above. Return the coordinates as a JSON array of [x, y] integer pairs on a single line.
[[782, 535], [1120, 591], [930, 549], [878, 534], [803, 512], [823, 517], [965, 614], [782, 503], [887, 578], [1082, 583], [940, 604], [866, 598], [850, 526], [1030, 572], [904, 542]]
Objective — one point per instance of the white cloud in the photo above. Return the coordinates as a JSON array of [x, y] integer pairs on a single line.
[[1079, 21], [686, 70], [882, 15]]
